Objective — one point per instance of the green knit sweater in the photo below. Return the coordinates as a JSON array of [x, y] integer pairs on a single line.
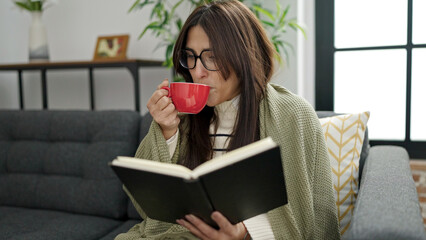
[[291, 122]]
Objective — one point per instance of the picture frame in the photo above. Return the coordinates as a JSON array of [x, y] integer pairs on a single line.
[[111, 47]]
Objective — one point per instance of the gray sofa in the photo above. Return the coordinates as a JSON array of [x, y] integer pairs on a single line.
[[54, 179], [55, 182], [387, 206]]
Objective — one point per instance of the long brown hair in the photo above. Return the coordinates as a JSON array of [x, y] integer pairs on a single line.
[[239, 44]]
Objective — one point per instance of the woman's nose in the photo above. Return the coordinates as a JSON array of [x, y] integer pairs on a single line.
[[199, 70]]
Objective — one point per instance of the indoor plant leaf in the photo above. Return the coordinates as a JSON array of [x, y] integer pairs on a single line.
[[268, 23], [167, 23], [172, 12], [152, 25], [264, 12], [23, 6], [139, 5], [284, 14], [157, 10], [179, 24], [278, 6], [293, 24], [169, 57]]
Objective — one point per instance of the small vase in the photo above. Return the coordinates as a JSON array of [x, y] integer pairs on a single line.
[[38, 39]]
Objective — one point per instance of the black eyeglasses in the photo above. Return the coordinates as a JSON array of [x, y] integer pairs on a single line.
[[188, 59]]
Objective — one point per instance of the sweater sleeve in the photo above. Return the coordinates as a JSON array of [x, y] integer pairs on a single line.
[[311, 211], [172, 142], [155, 147], [259, 227], [323, 198], [149, 149]]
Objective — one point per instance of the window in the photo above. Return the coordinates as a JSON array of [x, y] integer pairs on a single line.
[[371, 59]]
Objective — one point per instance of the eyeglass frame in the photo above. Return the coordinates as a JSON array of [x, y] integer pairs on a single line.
[[196, 58]]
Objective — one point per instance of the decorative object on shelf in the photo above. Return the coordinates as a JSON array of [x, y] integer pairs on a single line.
[[111, 47], [166, 24], [38, 47]]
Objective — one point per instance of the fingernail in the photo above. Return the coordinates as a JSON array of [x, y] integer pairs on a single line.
[[189, 217]]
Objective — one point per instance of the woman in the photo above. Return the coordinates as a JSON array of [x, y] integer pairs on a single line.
[[224, 46]]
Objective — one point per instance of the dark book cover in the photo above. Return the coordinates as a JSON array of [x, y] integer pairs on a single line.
[[248, 188], [166, 198], [240, 190]]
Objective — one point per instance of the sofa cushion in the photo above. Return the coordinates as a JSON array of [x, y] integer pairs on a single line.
[[36, 224], [59, 159], [344, 135], [365, 144]]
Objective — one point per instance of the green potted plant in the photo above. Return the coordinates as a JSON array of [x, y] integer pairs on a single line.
[[29, 5], [165, 23]]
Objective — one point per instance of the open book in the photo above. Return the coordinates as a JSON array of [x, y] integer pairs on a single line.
[[240, 184]]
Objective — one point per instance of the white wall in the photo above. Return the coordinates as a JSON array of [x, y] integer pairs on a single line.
[[73, 26], [299, 74], [306, 51]]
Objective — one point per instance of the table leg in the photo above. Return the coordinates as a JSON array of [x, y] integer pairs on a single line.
[[21, 90], [134, 70], [44, 88], [91, 89]]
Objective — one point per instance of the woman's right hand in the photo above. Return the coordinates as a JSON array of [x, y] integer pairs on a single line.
[[163, 111]]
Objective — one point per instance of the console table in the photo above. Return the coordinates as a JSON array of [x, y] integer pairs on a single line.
[[132, 65]]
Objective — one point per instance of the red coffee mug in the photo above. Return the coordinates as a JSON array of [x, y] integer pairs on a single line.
[[188, 97]]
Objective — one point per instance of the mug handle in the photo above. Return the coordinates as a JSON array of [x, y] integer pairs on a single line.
[[168, 89]]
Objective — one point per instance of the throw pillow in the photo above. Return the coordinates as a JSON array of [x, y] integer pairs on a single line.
[[344, 135]]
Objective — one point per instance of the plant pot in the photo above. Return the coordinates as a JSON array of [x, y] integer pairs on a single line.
[[38, 48]]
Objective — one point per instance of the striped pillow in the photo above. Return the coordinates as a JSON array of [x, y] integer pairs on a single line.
[[344, 135]]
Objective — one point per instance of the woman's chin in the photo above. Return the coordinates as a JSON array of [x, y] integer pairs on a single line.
[[211, 103]]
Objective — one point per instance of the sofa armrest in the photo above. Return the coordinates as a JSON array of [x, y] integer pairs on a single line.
[[387, 206]]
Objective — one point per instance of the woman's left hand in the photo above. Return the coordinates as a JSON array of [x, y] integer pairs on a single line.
[[202, 230]]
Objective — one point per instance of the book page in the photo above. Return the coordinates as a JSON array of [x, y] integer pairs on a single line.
[[153, 166], [234, 156]]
